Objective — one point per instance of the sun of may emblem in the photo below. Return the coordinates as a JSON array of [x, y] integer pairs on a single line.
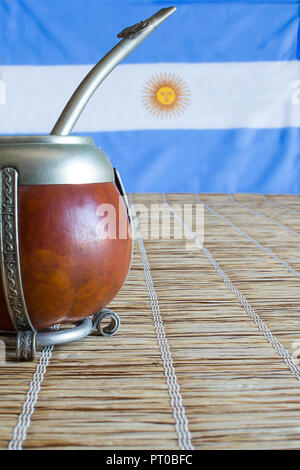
[[165, 95]]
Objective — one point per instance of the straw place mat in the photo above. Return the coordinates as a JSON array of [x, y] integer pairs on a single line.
[[234, 389]]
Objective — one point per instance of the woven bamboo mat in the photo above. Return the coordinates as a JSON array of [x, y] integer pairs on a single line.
[[237, 392]]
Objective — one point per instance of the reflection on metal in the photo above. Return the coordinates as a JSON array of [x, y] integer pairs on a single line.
[[10, 264]]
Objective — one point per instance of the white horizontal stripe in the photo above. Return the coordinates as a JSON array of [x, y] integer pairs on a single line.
[[223, 96], [2, 92]]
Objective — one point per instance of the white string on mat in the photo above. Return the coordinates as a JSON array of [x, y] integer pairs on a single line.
[[287, 229], [283, 353], [283, 206], [252, 240], [22, 426], [181, 422]]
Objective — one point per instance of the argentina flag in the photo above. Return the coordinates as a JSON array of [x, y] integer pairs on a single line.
[[209, 103]]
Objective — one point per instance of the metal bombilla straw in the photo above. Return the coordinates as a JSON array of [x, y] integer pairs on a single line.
[[132, 37]]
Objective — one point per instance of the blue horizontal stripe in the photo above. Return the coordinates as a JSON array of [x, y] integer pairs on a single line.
[[81, 32], [237, 160], [164, 3]]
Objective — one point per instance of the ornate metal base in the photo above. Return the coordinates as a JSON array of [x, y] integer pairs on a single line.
[[27, 342]]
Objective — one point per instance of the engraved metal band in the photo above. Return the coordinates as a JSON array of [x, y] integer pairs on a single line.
[[10, 264], [26, 345]]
